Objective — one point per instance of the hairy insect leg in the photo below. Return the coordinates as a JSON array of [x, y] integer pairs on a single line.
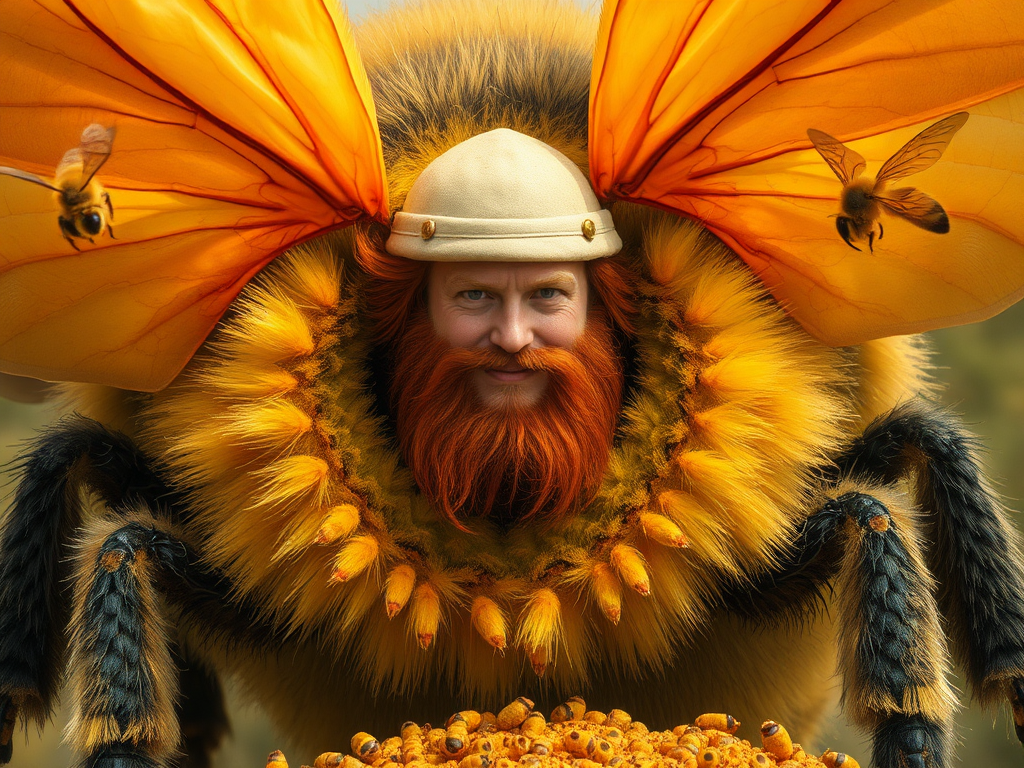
[[843, 228], [977, 557], [892, 653], [122, 674], [68, 229], [34, 547], [201, 712], [881, 231], [110, 207]]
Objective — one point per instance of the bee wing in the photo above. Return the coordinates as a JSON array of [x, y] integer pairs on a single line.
[[844, 162], [243, 128], [97, 142], [916, 207], [922, 151], [702, 107], [26, 176]]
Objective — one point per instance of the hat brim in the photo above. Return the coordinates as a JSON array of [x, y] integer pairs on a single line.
[[558, 238]]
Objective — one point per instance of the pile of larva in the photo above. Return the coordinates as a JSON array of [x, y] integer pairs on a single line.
[[519, 737]]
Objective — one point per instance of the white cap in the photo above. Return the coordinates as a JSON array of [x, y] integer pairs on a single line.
[[502, 196]]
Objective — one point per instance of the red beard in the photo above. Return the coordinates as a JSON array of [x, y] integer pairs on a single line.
[[509, 462]]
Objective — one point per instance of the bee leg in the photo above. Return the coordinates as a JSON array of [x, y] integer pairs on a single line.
[[124, 676], [871, 241], [68, 229], [110, 208], [35, 544], [843, 228], [976, 555], [881, 231], [201, 713], [110, 231], [891, 650]]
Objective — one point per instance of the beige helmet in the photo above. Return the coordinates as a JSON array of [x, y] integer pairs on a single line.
[[502, 196]]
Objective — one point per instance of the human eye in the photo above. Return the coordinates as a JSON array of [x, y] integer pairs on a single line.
[[548, 293], [473, 295]]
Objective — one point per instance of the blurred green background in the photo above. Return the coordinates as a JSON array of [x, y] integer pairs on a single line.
[[983, 367]]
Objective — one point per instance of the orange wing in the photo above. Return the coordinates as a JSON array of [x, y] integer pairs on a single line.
[[243, 128], [702, 107]]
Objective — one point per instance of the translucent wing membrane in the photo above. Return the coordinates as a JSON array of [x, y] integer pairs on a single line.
[[917, 208], [242, 129], [26, 176], [97, 142], [844, 162], [703, 108], [922, 151]]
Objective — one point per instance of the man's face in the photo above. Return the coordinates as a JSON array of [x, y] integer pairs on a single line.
[[509, 307]]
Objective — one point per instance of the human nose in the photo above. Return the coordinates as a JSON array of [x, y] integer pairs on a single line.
[[512, 331]]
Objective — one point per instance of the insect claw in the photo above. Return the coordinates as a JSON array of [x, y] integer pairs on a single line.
[[110, 231]]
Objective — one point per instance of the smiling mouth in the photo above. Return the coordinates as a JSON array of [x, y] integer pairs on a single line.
[[511, 375]]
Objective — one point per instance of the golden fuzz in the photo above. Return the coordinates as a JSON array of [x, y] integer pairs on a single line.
[[295, 483], [520, 737]]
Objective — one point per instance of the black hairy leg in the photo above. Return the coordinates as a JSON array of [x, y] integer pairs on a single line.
[[974, 555], [892, 654], [134, 582], [34, 549], [200, 712]]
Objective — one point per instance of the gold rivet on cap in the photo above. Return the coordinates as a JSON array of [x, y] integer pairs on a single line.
[[427, 230], [589, 229]]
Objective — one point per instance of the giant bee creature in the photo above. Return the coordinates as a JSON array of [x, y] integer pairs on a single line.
[[228, 492]]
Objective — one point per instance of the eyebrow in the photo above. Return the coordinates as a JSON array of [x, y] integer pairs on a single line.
[[561, 279]]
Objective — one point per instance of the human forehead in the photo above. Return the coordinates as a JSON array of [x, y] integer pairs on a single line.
[[502, 276]]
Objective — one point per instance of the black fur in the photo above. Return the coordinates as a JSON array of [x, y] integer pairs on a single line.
[[910, 742], [981, 583], [113, 650], [36, 538], [201, 713]]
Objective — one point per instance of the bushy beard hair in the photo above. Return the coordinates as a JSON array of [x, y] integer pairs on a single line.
[[511, 461]]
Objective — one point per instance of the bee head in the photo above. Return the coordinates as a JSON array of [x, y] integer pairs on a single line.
[[91, 222]]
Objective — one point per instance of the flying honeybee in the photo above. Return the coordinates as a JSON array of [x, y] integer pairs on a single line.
[[862, 199], [84, 204]]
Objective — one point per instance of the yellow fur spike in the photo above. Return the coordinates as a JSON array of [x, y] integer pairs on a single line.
[[270, 328], [707, 538], [275, 424], [339, 524], [314, 274], [722, 297], [671, 261], [607, 590], [398, 588], [743, 375], [248, 381], [425, 614], [356, 556], [629, 564], [662, 530], [489, 621], [733, 431], [540, 625], [293, 478]]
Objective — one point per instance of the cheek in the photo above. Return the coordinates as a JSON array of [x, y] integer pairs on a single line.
[[564, 328], [457, 330]]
